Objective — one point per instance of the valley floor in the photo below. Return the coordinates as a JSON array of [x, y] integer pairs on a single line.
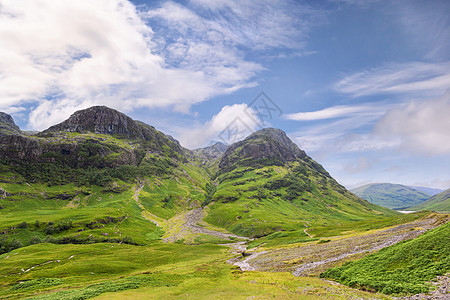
[[313, 258], [178, 270]]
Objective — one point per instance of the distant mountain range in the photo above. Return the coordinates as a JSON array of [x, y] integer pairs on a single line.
[[393, 196], [401, 197]]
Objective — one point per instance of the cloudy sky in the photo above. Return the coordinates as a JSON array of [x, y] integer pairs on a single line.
[[362, 86]]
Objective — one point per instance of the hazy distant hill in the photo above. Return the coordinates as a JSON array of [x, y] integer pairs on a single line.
[[439, 203], [393, 196], [427, 190]]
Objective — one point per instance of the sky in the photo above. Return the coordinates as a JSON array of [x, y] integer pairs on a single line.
[[362, 86]]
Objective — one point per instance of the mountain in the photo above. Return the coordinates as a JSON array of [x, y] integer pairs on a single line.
[[427, 190], [254, 187], [7, 125], [265, 183], [393, 196], [103, 203], [439, 203], [97, 137], [265, 147], [209, 157]]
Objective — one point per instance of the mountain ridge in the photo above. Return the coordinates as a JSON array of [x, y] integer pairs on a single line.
[[439, 202], [254, 187], [267, 143], [393, 196], [8, 126]]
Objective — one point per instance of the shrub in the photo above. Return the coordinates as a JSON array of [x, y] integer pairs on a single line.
[[7, 245], [35, 240], [22, 225]]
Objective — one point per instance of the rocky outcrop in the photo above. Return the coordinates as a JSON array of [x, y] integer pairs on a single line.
[[56, 145], [269, 145], [7, 125], [102, 120], [105, 120], [72, 153], [212, 152]]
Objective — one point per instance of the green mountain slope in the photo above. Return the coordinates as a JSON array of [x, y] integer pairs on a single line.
[[209, 157], [393, 196], [71, 185], [103, 203], [401, 268], [439, 202], [265, 184], [90, 167]]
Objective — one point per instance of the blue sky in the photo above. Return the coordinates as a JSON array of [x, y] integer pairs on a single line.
[[362, 86]]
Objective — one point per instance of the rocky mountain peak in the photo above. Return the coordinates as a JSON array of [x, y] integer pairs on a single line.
[[266, 146], [212, 152], [7, 125], [99, 119]]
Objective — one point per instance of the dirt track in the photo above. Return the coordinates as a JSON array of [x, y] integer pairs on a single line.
[[314, 258]]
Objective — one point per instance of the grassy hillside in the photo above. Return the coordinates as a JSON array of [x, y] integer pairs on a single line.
[[78, 214], [130, 213], [158, 271], [401, 268], [439, 202], [259, 201], [393, 196]]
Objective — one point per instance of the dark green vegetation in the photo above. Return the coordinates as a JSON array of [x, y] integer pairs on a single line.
[[87, 206], [393, 196], [439, 202], [401, 268]]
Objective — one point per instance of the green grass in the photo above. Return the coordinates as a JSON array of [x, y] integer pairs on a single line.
[[439, 203], [328, 229], [258, 202], [159, 271], [281, 238], [403, 268]]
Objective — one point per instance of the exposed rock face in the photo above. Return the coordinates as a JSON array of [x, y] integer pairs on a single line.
[[55, 145], [19, 147], [212, 152], [73, 153], [100, 119], [267, 144], [105, 120], [7, 125]]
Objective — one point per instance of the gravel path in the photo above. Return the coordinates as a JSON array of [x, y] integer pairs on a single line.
[[194, 216], [313, 258]]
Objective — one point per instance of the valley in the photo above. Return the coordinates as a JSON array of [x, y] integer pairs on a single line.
[[105, 207]]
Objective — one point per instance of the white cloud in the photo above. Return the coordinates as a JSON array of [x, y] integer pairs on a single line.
[[421, 127], [261, 24], [231, 124], [339, 135], [328, 113], [420, 79], [60, 55]]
